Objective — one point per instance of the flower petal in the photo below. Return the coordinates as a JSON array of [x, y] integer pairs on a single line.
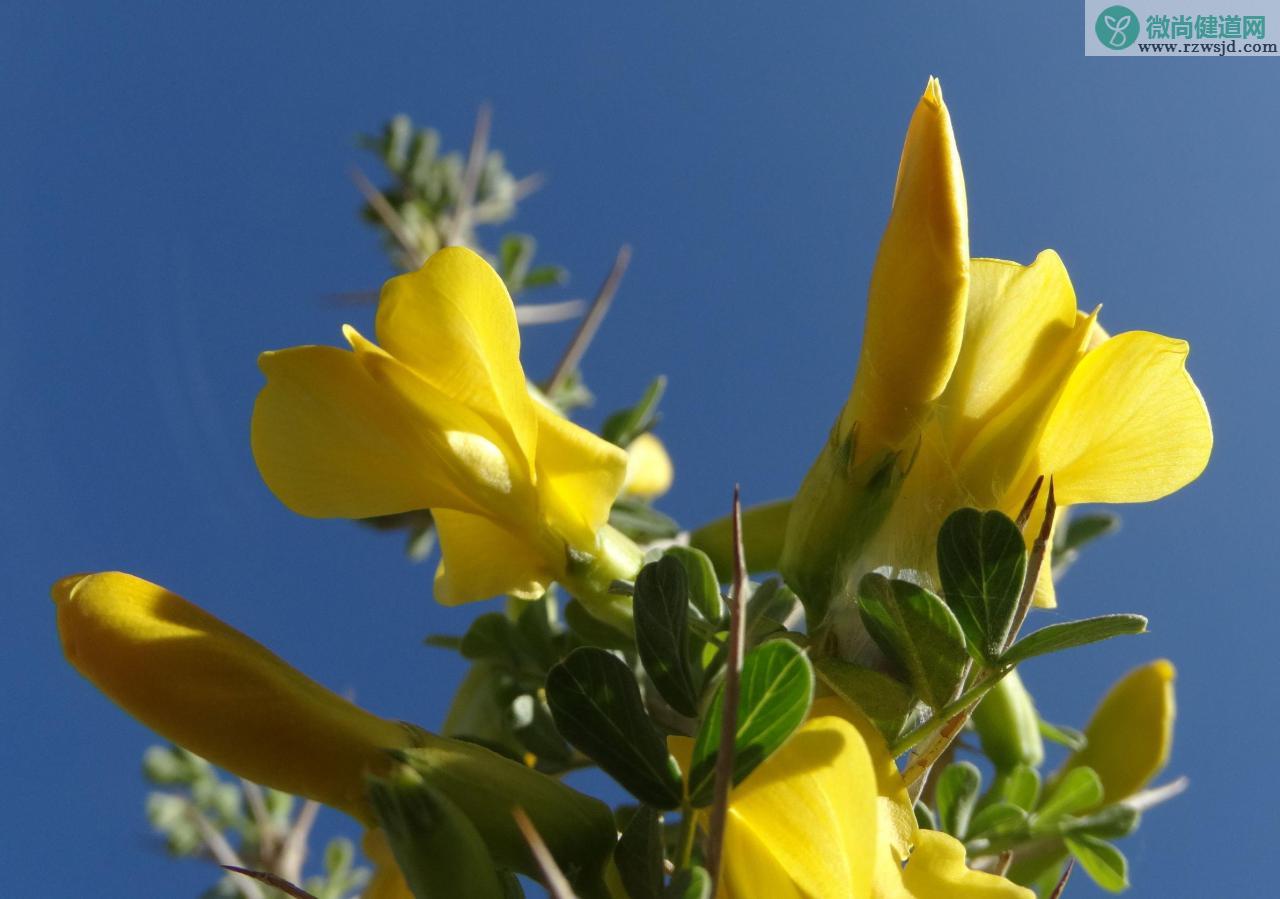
[[1131, 731], [916, 300], [454, 323], [1130, 426], [1019, 330], [331, 442], [473, 457], [896, 819], [579, 475], [649, 469], [937, 871], [480, 559], [812, 807]]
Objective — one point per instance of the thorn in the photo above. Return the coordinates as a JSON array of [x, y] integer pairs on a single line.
[[385, 211], [1062, 882], [272, 880], [1003, 861], [1050, 512], [553, 878], [590, 324], [1030, 503], [1035, 561], [471, 177], [729, 705]]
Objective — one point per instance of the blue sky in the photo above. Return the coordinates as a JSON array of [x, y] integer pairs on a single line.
[[176, 199]]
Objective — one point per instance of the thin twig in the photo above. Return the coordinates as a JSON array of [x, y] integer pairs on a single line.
[[293, 849], [1003, 863], [272, 880], [590, 323], [1062, 881], [1147, 799], [384, 210], [221, 850], [729, 704], [254, 798], [553, 878], [471, 177], [548, 313], [526, 313]]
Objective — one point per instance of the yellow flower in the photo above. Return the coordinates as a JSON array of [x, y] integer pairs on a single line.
[[976, 377], [438, 416], [649, 470], [827, 817], [216, 692], [1131, 731]]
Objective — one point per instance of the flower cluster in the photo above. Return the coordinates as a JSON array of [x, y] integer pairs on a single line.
[[984, 404]]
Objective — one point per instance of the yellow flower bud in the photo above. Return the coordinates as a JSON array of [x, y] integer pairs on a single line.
[[649, 469], [1131, 731], [915, 321], [916, 302], [216, 692]]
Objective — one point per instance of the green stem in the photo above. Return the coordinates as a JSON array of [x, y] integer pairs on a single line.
[[987, 679], [688, 830], [617, 558]]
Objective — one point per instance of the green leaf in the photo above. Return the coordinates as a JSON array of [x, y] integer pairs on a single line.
[[924, 816], [1078, 789], [885, 700], [597, 706], [982, 562], [1020, 786], [436, 846], [996, 819], [638, 855], [918, 633], [1103, 862], [1064, 736], [491, 637], [772, 600], [956, 795], [536, 632], [578, 829], [1110, 823], [1069, 634], [776, 690], [704, 588], [691, 883], [625, 426], [536, 730], [545, 276], [515, 255], [661, 605], [592, 631], [642, 522]]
